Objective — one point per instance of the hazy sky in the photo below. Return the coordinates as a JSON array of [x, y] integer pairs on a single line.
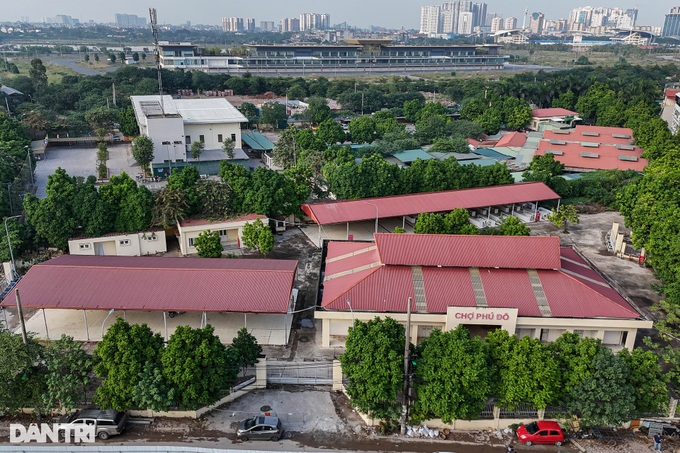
[[390, 13]]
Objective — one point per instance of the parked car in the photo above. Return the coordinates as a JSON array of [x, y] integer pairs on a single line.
[[541, 432], [260, 427], [107, 422]]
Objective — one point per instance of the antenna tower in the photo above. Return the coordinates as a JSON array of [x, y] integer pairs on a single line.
[[524, 21], [154, 29]]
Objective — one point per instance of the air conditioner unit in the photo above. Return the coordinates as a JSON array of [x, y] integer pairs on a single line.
[[473, 213], [495, 211], [506, 209]]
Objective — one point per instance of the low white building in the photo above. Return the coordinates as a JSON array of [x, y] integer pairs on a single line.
[[174, 124], [120, 244], [231, 231]]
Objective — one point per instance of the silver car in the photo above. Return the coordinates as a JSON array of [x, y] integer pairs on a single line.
[[107, 422], [260, 427]]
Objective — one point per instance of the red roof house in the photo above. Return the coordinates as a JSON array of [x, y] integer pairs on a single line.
[[530, 283]]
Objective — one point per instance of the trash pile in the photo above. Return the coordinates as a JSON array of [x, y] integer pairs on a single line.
[[422, 432]]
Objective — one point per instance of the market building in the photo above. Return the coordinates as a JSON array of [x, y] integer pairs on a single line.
[[529, 286]]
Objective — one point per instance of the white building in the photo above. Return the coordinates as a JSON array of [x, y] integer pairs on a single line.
[[510, 23], [231, 231], [496, 24], [120, 244], [429, 19], [465, 23], [174, 124]]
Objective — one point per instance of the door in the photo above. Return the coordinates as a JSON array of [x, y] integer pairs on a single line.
[[258, 432], [544, 437]]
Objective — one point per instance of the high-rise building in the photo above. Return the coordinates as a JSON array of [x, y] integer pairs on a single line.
[[510, 23], [671, 26], [479, 13], [249, 25], [465, 23], [290, 25], [315, 21], [537, 23], [232, 24], [496, 24], [130, 20], [429, 19], [267, 25]]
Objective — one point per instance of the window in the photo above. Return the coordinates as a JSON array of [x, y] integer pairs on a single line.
[[191, 242], [233, 137], [124, 242], [177, 142], [579, 332], [165, 143], [219, 138], [521, 333], [201, 138], [612, 338], [223, 233], [545, 335], [83, 246], [188, 139]]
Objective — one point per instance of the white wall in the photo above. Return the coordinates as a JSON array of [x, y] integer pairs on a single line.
[[187, 232], [134, 244], [169, 129], [211, 131]]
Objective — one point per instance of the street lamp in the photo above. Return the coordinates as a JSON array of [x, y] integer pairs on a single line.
[[376, 213], [349, 304], [9, 245], [104, 321]]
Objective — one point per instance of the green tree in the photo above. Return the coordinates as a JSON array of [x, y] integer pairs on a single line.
[[215, 197], [120, 359], [330, 132], [122, 57], [412, 110], [198, 366], [238, 178], [453, 378], [258, 236], [430, 223], [209, 245], [527, 371], [249, 111], [455, 144], [565, 100], [228, 147], [128, 121], [491, 120], [96, 57], [244, 349], [38, 74], [152, 390], [135, 57], [196, 150], [373, 364], [458, 222], [574, 356], [431, 127], [169, 206], [318, 110], [512, 226], [284, 153], [112, 58], [101, 118], [648, 380], [562, 216], [142, 151], [606, 397], [363, 129], [399, 230], [132, 205], [543, 168], [20, 372], [273, 113], [67, 375]]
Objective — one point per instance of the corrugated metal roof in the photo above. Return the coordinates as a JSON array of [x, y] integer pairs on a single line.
[[386, 287], [194, 111], [551, 112], [257, 141], [411, 155], [158, 283], [488, 152], [197, 222], [508, 252], [513, 139], [407, 205], [575, 155]]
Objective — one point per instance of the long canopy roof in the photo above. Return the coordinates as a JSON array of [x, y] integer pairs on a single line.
[[413, 204], [158, 284]]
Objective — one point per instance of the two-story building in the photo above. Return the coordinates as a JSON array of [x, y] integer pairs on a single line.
[[174, 124]]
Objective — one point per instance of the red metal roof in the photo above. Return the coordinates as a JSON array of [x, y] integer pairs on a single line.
[[197, 222], [407, 205], [513, 139], [611, 153], [158, 283], [552, 112], [379, 286], [444, 250]]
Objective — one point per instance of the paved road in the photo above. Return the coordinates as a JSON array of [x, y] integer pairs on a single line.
[[73, 65]]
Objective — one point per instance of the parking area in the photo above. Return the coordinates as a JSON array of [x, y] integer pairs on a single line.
[[81, 161]]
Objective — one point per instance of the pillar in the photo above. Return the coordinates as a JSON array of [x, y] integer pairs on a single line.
[[326, 333], [337, 375], [87, 328], [261, 373]]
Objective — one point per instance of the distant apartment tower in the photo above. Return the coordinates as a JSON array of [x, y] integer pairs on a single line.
[[61, 19], [232, 24], [671, 26], [510, 23], [249, 25], [429, 19], [130, 20], [537, 23], [314, 21], [496, 24], [267, 25], [479, 14], [465, 23], [290, 24]]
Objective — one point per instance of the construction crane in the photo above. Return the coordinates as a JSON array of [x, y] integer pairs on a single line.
[[157, 52]]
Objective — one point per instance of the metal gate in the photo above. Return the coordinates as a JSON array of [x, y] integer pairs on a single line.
[[300, 373]]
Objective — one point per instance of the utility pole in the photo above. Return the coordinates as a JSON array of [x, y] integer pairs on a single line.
[[20, 312], [154, 28], [407, 344]]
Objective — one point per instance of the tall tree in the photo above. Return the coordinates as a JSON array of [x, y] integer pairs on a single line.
[[198, 365], [373, 364], [512, 226], [258, 236], [208, 244], [169, 207], [68, 373], [562, 216], [244, 349], [273, 113], [142, 151], [453, 378], [128, 121]]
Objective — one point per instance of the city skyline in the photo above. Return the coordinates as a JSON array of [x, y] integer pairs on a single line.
[[390, 14]]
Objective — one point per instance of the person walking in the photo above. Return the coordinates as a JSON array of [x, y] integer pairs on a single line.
[[657, 442]]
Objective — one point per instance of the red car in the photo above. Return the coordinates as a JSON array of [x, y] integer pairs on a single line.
[[541, 432]]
